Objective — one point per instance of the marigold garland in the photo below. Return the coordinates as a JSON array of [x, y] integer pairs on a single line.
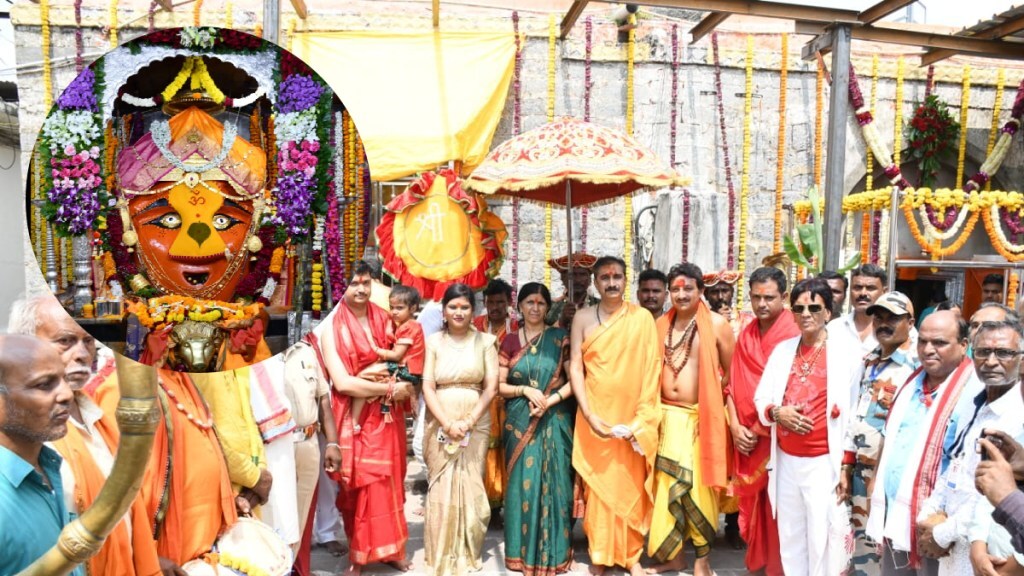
[[589, 32], [627, 214], [748, 98], [1011, 289], [44, 33], [197, 8], [965, 104], [112, 14], [229, 16], [517, 127], [157, 313], [897, 143], [997, 107], [780, 156]]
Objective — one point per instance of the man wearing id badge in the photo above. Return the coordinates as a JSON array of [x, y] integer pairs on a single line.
[[955, 522], [883, 370]]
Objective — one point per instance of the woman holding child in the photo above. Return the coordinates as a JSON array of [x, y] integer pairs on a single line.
[[537, 440], [460, 379]]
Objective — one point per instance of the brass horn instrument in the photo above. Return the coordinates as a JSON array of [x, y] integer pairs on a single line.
[[137, 418]]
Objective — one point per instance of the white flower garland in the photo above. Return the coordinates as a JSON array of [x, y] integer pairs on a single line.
[[268, 288], [77, 128], [161, 131], [933, 232], [235, 102], [998, 226], [295, 126]]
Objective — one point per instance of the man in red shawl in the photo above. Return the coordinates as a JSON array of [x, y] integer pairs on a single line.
[[371, 498], [753, 447]]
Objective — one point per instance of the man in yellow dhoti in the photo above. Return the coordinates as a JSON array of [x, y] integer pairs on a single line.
[[614, 373], [692, 464]]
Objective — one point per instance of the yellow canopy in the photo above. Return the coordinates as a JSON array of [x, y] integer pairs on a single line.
[[418, 98]]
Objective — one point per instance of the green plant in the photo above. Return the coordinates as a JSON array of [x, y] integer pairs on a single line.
[[806, 251]]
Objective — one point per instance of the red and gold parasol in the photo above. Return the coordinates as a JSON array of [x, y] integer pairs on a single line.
[[571, 163], [434, 234]]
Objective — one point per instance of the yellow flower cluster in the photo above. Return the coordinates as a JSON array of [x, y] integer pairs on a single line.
[[897, 141], [194, 72], [802, 209], [317, 281], [867, 201], [1012, 287], [277, 260], [819, 113], [113, 23]]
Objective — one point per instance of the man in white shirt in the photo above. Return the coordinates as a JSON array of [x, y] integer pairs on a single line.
[[948, 526], [867, 283]]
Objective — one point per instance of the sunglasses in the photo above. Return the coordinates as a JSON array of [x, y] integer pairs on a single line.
[[812, 308]]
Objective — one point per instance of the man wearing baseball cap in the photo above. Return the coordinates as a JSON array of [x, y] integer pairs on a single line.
[[882, 372]]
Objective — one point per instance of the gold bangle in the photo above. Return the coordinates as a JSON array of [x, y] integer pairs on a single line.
[[559, 394]]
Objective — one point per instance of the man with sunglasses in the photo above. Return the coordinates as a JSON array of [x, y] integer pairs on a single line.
[[885, 368], [804, 397], [955, 522], [915, 431]]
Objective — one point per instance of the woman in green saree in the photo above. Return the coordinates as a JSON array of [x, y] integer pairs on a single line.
[[538, 440]]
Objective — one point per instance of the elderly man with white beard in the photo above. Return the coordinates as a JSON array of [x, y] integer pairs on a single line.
[[955, 522]]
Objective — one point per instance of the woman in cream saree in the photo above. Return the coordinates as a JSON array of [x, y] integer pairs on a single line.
[[460, 378], [537, 439]]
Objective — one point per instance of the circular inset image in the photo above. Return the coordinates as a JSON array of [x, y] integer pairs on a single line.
[[180, 191]]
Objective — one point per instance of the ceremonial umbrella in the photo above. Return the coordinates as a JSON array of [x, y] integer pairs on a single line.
[[571, 163]]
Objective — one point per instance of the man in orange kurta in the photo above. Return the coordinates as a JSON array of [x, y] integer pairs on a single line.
[[615, 370], [185, 490], [752, 440]]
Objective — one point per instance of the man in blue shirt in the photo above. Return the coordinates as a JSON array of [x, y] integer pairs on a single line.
[[34, 408]]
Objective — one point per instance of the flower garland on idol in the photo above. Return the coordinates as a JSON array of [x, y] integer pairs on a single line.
[[71, 138]]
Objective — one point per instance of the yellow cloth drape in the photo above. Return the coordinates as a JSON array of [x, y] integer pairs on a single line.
[[418, 98], [227, 394]]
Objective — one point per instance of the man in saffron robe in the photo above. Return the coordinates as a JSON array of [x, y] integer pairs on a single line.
[[497, 298], [753, 347], [614, 373], [89, 447], [186, 489], [373, 451], [692, 465]]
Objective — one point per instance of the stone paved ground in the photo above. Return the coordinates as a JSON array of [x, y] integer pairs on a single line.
[[725, 560]]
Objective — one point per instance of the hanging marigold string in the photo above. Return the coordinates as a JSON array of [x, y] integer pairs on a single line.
[[627, 215], [1011, 290], [866, 238], [965, 105], [780, 156], [997, 107], [589, 32], [229, 16], [819, 113], [730, 259], [748, 98], [897, 141], [517, 125], [36, 219], [44, 38], [552, 38], [112, 16], [197, 8]]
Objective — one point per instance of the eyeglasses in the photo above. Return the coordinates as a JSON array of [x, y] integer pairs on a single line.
[[812, 308], [1001, 353]]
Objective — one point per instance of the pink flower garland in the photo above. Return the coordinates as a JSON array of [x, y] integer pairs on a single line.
[[585, 211], [517, 126], [79, 43], [725, 151]]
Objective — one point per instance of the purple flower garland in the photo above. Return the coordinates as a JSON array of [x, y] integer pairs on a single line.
[[517, 126], [731, 258]]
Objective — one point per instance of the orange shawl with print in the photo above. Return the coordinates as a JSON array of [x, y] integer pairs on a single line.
[[123, 553], [712, 432]]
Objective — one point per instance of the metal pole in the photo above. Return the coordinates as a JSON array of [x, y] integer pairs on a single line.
[[835, 164], [894, 214], [568, 235], [272, 21]]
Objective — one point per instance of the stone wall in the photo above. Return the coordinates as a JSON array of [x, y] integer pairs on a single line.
[[699, 148]]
